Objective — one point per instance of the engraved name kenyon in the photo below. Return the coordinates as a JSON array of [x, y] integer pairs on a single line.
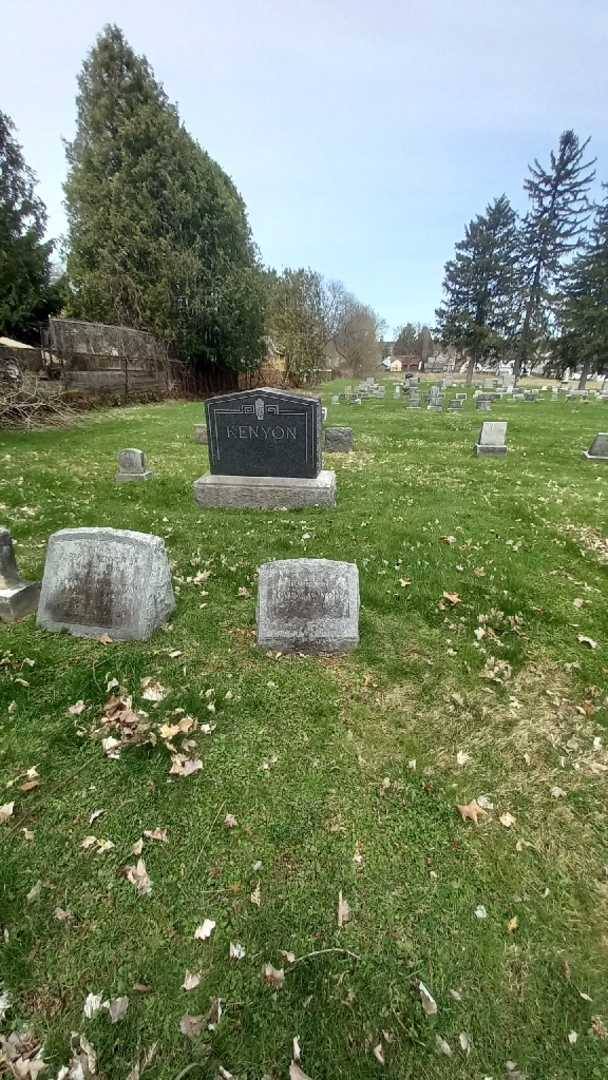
[[264, 432]]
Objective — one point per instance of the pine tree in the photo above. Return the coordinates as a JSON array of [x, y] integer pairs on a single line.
[[424, 345], [481, 286], [559, 210], [406, 340], [26, 293], [584, 310], [158, 234]]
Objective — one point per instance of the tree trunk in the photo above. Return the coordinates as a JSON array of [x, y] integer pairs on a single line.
[[584, 375], [471, 369]]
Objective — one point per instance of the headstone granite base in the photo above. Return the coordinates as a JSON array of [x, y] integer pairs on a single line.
[[265, 492]]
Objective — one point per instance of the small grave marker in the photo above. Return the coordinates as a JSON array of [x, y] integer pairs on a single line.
[[338, 440], [132, 467], [308, 605]]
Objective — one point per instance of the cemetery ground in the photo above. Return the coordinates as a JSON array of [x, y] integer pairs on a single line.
[[481, 675]]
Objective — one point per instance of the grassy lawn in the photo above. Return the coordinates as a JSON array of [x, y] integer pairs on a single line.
[[343, 775]]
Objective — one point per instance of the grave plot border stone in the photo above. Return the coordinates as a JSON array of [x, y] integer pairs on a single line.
[[75, 561], [308, 606]]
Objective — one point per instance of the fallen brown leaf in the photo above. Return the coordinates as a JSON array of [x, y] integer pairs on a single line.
[[274, 977], [471, 811], [138, 876], [344, 912]]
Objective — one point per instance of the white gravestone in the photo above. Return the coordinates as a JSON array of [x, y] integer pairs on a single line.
[[308, 605], [105, 581], [492, 438]]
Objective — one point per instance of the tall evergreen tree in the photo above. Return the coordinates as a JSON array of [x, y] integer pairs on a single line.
[[424, 345], [26, 292], [481, 286], [406, 341], [559, 210], [584, 310], [158, 234]]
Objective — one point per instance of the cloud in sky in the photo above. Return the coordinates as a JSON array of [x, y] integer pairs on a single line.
[[362, 136]]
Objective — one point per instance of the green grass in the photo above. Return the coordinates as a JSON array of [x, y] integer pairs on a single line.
[[345, 734]]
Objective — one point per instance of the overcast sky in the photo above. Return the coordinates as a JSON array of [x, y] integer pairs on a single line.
[[361, 135]]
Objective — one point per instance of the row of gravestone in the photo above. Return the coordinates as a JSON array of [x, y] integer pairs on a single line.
[[116, 584]]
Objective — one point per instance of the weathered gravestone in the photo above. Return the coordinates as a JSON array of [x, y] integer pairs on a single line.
[[598, 451], [335, 398], [265, 452], [200, 434], [132, 467], [338, 440], [492, 438], [308, 605], [17, 597], [105, 581], [455, 405]]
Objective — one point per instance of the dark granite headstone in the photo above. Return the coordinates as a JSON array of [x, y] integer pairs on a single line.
[[264, 432], [598, 451]]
